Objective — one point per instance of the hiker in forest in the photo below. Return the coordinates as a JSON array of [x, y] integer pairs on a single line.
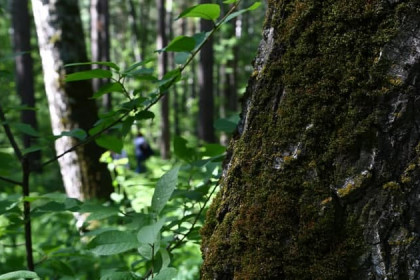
[[142, 151]]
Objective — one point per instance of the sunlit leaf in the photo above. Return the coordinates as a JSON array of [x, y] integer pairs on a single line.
[[120, 276], [229, 1], [204, 11], [150, 233], [104, 63], [113, 242], [89, 74], [19, 274], [166, 274], [211, 150], [164, 189], [235, 14]]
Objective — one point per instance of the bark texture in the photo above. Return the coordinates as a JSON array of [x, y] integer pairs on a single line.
[[322, 180], [21, 23], [61, 41]]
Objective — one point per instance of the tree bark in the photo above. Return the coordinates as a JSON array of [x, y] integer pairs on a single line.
[[322, 180], [162, 41], [21, 23], [100, 42], [60, 39], [205, 80]]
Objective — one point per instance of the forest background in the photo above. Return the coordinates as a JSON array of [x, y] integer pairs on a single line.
[[188, 132]]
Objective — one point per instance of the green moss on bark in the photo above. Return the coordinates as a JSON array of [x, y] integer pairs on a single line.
[[313, 110]]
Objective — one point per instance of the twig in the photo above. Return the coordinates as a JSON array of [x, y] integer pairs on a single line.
[[10, 181], [9, 135]]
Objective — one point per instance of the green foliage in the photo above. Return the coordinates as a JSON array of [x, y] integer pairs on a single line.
[[19, 274], [204, 11]]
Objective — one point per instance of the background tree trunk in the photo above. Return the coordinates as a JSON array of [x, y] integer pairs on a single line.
[[162, 41], [100, 42], [21, 23], [205, 80], [322, 180], [70, 105]]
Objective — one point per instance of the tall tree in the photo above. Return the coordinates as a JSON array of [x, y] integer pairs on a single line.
[[21, 23], [162, 41], [60, 40], [205, 80], [100, 41], [323, 177]]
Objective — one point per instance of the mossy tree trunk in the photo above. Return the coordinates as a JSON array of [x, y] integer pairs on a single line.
[[322, 180]]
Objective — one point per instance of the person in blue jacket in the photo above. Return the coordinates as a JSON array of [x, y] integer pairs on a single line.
[[142, 151]]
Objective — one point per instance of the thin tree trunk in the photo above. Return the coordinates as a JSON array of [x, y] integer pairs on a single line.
[[205, 80], [323, 177], [135, 38], [21, 23], [70, 105], [100, 42], [163, 68]]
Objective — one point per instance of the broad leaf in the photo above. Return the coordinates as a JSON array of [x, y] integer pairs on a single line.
[[107, 88], [229, 1], [212, 150], [110, 142], [225, 125], [89, 74], [136, 65], [166, 274], [98, 212], [204, 11], [113, 242], [235, 14], [181, 150], [181, 44], [164, 189], [181, 57], [144, 115], [26, 128], [120, 276], [104, 63], [31, 150], [76, 133], [19, 274], [149, 234]]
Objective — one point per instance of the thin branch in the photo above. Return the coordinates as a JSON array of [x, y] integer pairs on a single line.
[[10, 181], [9, 135]]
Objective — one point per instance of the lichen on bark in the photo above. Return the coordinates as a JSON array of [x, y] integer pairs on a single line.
[[330, 119]]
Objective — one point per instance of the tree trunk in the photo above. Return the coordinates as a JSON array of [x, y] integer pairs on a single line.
[[100, 42], [163, 68], [24, 74], [322, 180], [60, 39], [205, 80]]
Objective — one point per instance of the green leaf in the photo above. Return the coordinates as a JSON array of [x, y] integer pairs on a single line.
[[212, 150], [89, 74], [235, 14], [166, 274], [169, 79], [181, 150], [145, 250], [180, 44], [110, 142], [115, 275], [98, 212], [204, 11], [136, 65], [225, 125], [76, 133], [113, 242], [181, 57], [19, 274], [149, 234], [144, 115], [104, 63], [107, 88], [164, 189], [25, 128], [166, 259], [230, 1], [31, 150], [142, 73]]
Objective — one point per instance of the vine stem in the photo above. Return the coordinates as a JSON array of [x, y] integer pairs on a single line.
[[25, 190]]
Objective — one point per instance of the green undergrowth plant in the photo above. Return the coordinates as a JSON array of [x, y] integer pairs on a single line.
[[150, 227]]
